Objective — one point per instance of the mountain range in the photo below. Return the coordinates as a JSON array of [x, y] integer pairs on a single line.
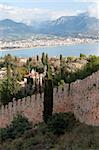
[[80, 25]]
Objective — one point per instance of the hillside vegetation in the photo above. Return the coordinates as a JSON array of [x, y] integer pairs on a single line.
[[62, 132], [59, 70]]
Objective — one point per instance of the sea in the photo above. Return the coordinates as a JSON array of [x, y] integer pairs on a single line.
[[67, 50]]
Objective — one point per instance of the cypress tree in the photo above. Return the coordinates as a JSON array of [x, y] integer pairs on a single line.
[[43, 58], [61, 58], [46, 59], [61, 66], [48, 99], [49, 71], [37, 58]]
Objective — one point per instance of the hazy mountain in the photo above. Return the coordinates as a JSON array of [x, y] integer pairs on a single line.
[[74, 25], [82, 25], [9, 28]]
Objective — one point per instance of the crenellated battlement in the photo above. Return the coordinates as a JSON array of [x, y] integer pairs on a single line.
[[80, 97]]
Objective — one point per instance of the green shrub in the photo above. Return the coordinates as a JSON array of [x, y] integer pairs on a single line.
[[17, 144], [3, 134], [42, 128], [19, 125], [7, 147], [16, 129], [29, 133], [82, 55], [58, 123], [30, 143]]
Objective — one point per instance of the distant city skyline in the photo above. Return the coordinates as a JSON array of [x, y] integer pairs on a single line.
[[27, 11]]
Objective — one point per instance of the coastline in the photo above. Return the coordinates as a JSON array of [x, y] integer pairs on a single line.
[[45, 46]]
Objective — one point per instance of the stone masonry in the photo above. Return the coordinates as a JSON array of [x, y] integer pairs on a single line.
[[80, 97]]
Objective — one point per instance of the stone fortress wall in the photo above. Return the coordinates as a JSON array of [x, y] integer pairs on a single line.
[[80, 97]]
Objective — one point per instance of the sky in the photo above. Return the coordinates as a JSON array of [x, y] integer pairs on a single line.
[[29, 10]]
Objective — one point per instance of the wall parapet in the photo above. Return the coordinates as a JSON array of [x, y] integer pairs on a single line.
[[80, 97]]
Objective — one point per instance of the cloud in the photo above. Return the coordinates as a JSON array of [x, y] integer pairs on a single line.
[[20, 14], [87, 1], [28, 14], [94, 10]]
